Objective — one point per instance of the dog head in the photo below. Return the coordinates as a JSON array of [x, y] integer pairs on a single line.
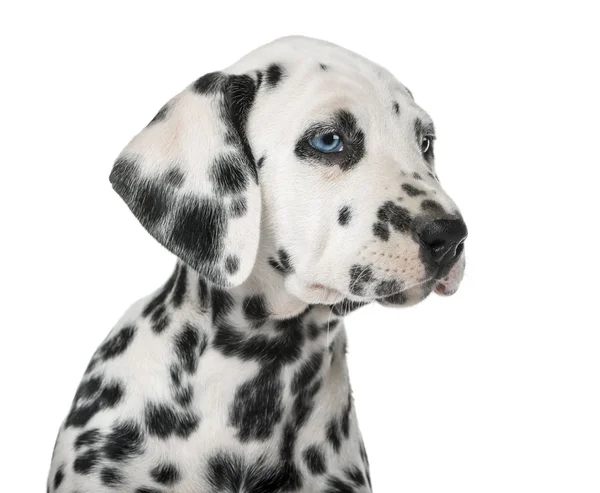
[[313, 150]]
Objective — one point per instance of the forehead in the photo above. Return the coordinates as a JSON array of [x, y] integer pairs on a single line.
[[315, 78]]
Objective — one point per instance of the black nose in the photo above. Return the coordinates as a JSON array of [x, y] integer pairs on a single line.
[[443, 238]]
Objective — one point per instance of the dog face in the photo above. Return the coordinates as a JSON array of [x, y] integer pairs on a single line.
[[313, 149]]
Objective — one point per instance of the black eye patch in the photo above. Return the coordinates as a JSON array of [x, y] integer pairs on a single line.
[[346, 125]]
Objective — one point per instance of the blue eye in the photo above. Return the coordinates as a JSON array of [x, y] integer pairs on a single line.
[[329, 142]]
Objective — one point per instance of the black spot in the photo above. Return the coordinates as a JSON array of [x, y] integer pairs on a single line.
[[412, 191], [163, 420], [159, 320], [92, 396], [189, 344], [336, 485], [166, 473], [314, 330], [149, 204], [344, 215], [396, 107], [398, 217], [363, 453], [239, 97], [355, 475], [161, 296], [174, 178], [284, 260], [180, 287], [124, 442], [255, 310], [85, 462], [257, 406], [156, 309], [346, 306], [353, 138], [283, 264], [333, 435], [203, 293], [307, 372], [184, 395], [117, 344], [417, 176], [209, 83], [222, 304], [175, 373], [161, 115], [304, 403], [432, 207], [260, 163], [281, 349], [361, 277], [229, 473], [315, 459], [323, 66], [225, 472], [88, 388], [345, 418], [87, 438], [232, 264], [304, 388], [146, 489], [274, 74], [286, 455], [238, 207], [288, 443], [382, 231], [111, 476], [386, 288], [228, 174], [58, 477]]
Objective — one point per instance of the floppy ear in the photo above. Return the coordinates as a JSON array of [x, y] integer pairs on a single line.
[[191, 180]]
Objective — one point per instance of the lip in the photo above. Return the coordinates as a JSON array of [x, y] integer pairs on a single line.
[[324, 289], [320, 294]]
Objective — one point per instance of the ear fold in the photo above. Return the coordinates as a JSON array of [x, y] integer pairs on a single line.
[[191, 180]]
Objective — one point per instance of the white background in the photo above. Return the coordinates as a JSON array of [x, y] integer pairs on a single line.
[[493, 390]]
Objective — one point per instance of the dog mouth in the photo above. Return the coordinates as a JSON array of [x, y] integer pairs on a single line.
[[444, 283], [449, 283]]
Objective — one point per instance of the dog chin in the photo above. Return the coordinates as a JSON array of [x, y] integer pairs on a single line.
[[312, 293], [407, 297]]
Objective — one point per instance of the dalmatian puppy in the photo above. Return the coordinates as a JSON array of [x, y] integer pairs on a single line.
[[294, 187]]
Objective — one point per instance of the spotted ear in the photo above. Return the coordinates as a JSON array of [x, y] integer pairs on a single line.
[[191, 180]]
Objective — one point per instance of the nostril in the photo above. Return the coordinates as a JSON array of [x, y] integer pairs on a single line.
[[443, 236], [436, 244], [459, 248]]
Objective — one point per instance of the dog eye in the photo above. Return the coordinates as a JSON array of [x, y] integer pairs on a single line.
[[426, 143], [329, 142]]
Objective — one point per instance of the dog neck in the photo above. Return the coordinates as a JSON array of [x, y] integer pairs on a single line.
[[260, 304], [259, 315]]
